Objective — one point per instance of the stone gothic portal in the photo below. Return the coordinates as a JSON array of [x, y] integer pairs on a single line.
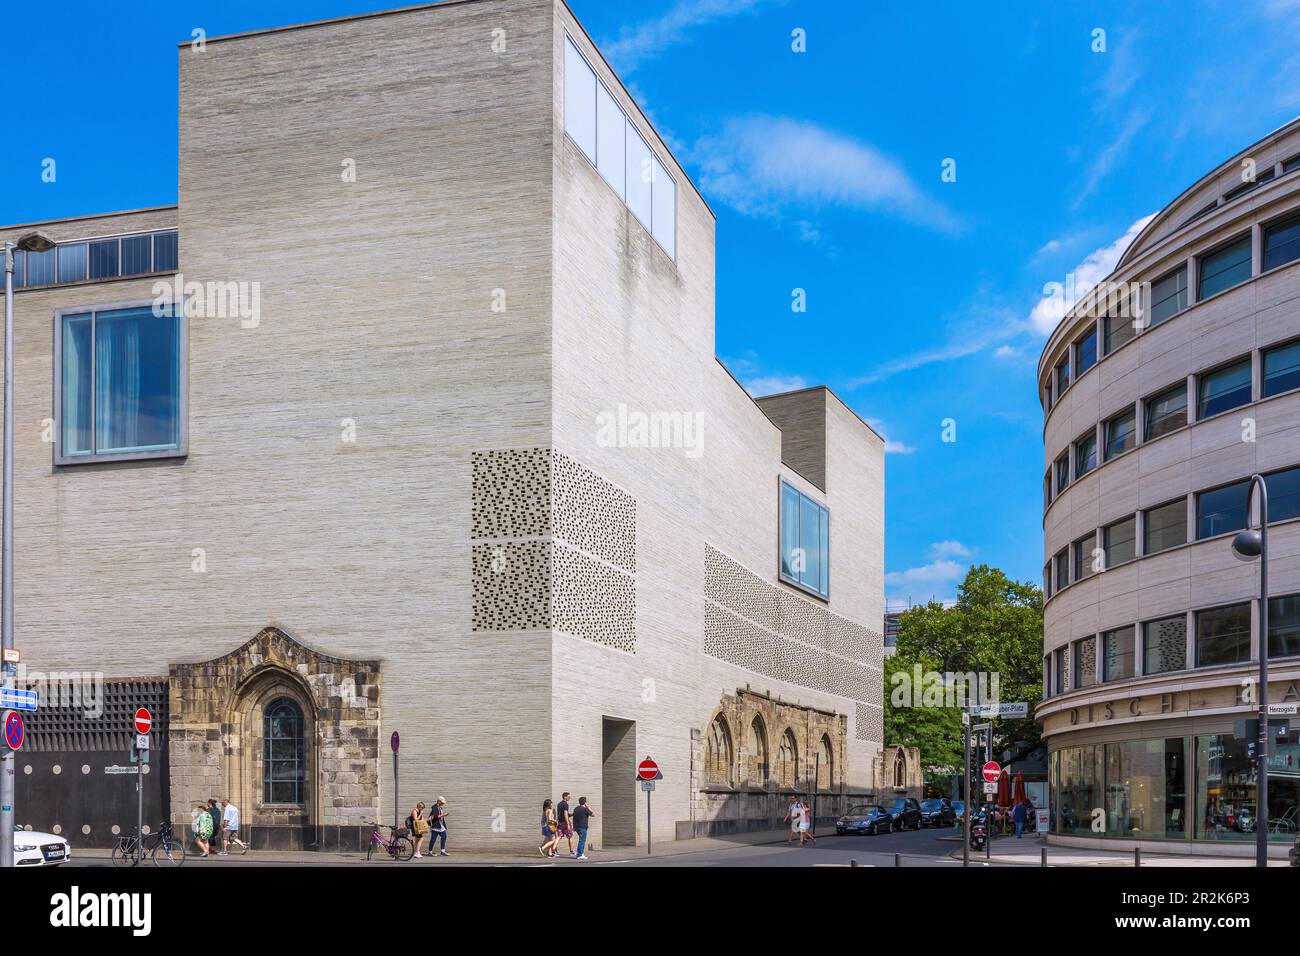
[[291, 736]]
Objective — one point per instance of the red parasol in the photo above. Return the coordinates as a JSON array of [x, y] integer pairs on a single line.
[[1004, 788], [1020, 788]]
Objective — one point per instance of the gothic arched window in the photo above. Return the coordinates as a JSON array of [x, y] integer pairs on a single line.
[[283, 764], [717, 755]]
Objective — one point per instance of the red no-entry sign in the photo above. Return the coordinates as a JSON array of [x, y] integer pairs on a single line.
[[143, 721], [991, 771], [647, 769]]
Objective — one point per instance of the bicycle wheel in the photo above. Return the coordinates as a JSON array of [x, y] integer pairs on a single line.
[[124, 853], [403, 849], [168, 852]]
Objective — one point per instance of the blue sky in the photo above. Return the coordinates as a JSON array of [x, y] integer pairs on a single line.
[[924, 297]]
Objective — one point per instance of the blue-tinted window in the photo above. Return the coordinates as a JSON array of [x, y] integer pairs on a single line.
[[1282, 369], [1223, 635], [1221, 510], [1085, 455], [1121, 433], [283, 753], [164, 252], [129, 401], [805, 541], [40, 268], [1283, 495], [1224, 389], [20, 267], [72, 262], [1168, 296], [1086, 353], [1282, 242], [136, 255], [103, 259], [1224, 268]]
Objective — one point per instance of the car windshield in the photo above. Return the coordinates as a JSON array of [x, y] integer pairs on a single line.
[[932, 805], [859, 811], [898, 805]]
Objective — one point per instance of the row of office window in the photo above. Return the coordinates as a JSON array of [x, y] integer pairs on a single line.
[[1212, 393], [595, 121], [1212, 512], [96, 259], [1220, 636], [1217, 270]]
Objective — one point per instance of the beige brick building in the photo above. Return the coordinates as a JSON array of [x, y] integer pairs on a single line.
[[445, 450]]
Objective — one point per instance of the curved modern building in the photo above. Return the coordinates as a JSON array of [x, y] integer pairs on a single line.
[[1162, 394]]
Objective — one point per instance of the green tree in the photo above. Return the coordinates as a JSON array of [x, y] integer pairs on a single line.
[[995, 627]]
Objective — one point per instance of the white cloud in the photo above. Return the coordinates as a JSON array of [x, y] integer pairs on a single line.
[[649, 38], [1107, 158], [938, 576], [1098, 264], [1005, 352], [891, 447], [761, 385], [996, 326], [760, 165], [950, 549]]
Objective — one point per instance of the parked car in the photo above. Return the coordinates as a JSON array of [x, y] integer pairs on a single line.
[[938, 813], [865, 818], [34, 848], [906, 813]]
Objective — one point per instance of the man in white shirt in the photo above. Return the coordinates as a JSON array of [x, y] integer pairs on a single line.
[[230, 823]]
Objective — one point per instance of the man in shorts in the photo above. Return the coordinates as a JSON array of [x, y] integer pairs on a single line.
[[230, 824]]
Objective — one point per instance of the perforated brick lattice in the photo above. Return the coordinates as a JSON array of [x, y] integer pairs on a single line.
[[579, 579], [800, 646], [511, 493], [95, 717], [869, 723], [592, 514], [592, 600], [512, 586]]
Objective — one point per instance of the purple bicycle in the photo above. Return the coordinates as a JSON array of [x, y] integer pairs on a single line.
[[397, 847]]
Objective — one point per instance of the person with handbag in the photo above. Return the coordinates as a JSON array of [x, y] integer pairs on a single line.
[[418, 826], [550, 831], [438, 826]]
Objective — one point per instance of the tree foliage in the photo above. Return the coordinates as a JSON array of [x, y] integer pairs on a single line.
[[995, 627]]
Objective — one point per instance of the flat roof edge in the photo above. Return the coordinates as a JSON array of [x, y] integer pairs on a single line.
[[96, 215]]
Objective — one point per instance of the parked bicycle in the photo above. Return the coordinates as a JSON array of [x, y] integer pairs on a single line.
[[161, 846], [399, 846]]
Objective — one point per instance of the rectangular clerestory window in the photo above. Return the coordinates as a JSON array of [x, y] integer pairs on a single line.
[[805, 544]]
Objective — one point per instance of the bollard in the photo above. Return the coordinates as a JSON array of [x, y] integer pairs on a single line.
[[1044, 859], [853, 862], [1137, 856], [898, 859]]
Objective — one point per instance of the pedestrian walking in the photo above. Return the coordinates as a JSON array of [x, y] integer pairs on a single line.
[[550, 831], [805, 823], [582, 815], [438, 826], [230, 826], [564, 822], [214, 812], [201, 824], [792, 815], [419, 827], [1019, 816]]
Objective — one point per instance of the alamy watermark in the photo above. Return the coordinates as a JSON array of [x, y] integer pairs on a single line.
[[631, 428], [926, 688], [211, 300]]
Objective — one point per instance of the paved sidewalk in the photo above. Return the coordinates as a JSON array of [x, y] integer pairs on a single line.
[[527, 856], [1008, 851]]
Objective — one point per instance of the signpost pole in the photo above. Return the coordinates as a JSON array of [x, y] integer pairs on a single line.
[[965, 827], [397, 813], [139, 805], [7, 782], [649, 830]]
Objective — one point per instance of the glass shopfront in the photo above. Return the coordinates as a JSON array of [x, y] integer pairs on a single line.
[[1140, 789]]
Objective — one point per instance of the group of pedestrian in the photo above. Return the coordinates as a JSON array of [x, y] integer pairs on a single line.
[[432, 824], [563, 821], [217, 827], [799, 816]]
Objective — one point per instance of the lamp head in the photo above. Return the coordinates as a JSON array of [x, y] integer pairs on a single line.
[[1247, 544], [35, 242]]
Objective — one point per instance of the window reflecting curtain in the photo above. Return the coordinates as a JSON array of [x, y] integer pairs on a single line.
[[137, 381], [74, 438]]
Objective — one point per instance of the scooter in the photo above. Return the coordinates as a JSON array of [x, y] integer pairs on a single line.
[[979, 834]]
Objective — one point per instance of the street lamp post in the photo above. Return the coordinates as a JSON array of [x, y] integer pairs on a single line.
[[32, 242], [1247, 545]]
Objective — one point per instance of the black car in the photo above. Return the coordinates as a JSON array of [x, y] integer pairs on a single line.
[[938, 813], [865, 818], [906, 813]]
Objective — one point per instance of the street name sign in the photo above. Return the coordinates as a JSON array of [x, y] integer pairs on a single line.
[[1017, 709], [18, 698], [1283, 710]]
